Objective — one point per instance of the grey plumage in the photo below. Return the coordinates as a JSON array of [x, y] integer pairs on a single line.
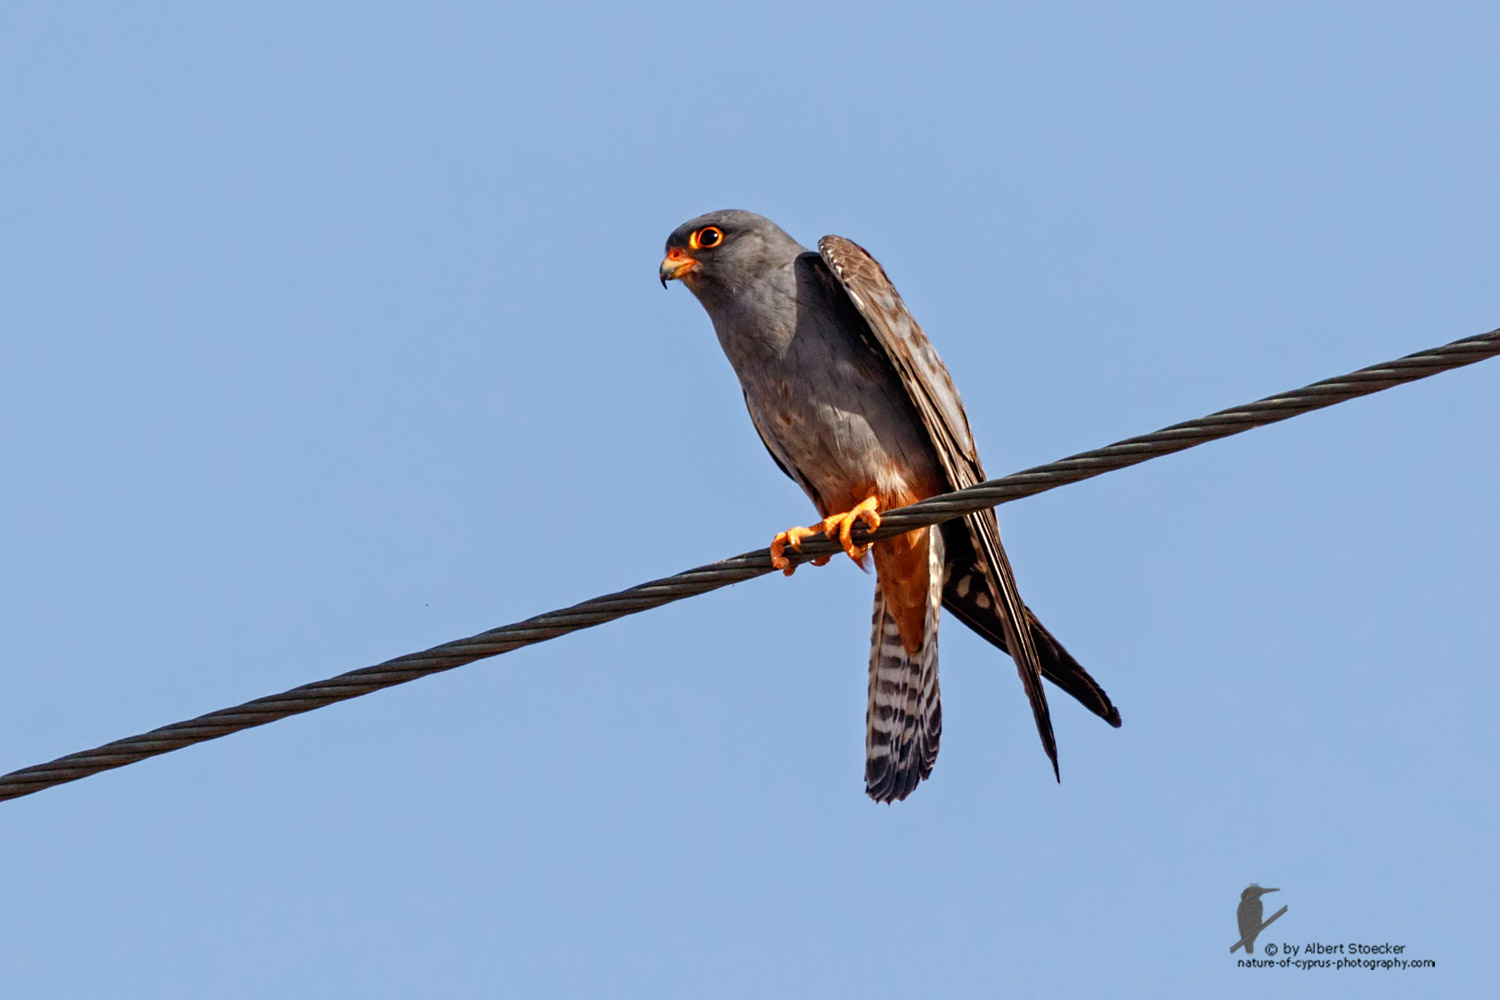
[[818, 389], [852, 401]]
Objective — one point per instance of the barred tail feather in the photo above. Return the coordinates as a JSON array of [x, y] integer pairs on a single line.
[[904, 718]]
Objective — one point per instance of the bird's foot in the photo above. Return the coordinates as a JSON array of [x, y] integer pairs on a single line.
[[837, 527], [792, 537], [841, 525]]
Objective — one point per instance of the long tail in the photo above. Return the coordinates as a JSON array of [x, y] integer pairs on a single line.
[[904, 719], [970, 603]]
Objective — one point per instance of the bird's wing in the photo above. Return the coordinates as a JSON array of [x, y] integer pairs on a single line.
[[937, 402], [971, 604], [1248, 916]]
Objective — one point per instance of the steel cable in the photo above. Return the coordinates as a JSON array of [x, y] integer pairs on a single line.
[[745, 566]]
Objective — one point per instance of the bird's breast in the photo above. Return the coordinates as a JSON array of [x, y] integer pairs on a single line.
[[846, 433], [825, 398]]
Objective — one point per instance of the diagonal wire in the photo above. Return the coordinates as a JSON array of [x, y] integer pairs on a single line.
[[743, 567]]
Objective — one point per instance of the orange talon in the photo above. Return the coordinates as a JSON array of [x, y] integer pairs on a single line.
[[792, 537], [842, 525], [837, 527]]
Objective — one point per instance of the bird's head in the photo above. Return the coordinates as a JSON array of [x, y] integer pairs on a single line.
[[1255, 892], [722, 252]]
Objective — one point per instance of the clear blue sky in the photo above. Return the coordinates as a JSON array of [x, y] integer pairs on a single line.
[[331, 331]]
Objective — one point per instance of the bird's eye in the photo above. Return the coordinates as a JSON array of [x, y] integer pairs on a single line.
[[706, 238]]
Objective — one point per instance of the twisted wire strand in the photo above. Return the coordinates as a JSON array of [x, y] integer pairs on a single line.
[[745, 566]]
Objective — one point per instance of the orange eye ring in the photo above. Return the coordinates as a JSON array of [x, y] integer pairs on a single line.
[[706, 238]]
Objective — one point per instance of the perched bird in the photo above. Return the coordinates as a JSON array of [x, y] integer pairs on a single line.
[[855, 406], [1249, 915]]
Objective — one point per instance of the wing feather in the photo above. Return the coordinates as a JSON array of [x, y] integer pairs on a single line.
[[937, 402]]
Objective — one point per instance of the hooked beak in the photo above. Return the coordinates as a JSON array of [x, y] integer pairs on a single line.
[[675, 264]]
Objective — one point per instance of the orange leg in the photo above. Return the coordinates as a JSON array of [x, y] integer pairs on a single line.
[[794, 538], [837, 526]]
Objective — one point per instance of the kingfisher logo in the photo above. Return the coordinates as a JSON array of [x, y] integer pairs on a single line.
[[1249, 914]]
